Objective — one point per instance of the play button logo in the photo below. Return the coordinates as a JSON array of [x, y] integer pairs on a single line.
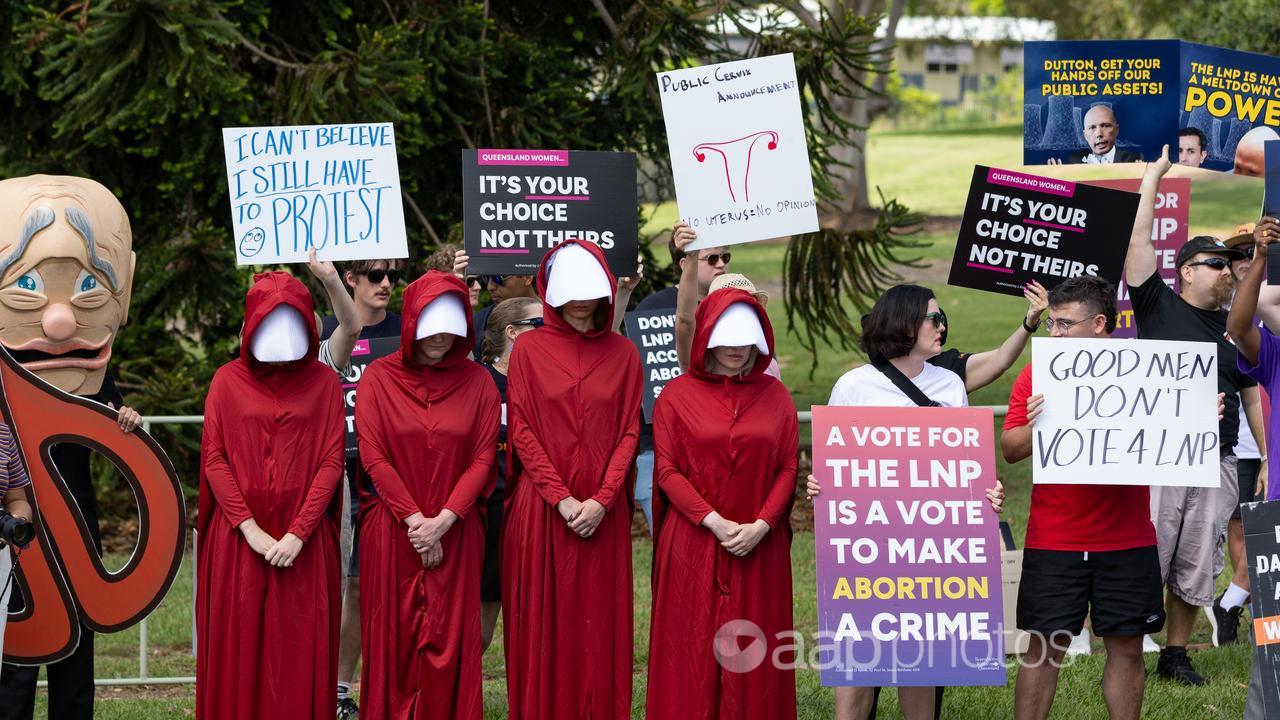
[[740, 646]]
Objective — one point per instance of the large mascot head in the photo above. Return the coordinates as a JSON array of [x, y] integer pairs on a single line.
[[66, 270]]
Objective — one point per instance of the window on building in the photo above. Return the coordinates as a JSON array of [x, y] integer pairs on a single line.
[[915, 80], [942, 68]]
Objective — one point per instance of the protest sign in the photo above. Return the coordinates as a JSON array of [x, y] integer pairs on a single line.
[[738, 150], [518, 204], [332, 187], [362, 355], [1137, 412], [654, 333], [1168, 232], [1262, 549], [907, 547], [1151, 90], [1018, 228]]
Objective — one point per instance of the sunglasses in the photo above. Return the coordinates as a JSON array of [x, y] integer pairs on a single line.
[[1248, 251], [530, 322], [495, 279], [939, 319], [474, 281], [1212, 263], [715, 258], [375, 276]]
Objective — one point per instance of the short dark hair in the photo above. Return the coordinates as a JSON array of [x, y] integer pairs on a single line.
[[1091, 291], [889, 330], [676, 253], [1199, 135]]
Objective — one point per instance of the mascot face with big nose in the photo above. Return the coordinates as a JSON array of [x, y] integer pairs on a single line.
[[66, 272]]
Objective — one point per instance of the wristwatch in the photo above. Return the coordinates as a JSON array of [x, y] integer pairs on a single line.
[[1031, 329]]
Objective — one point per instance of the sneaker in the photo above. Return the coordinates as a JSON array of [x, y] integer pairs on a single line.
[[347, 709], [1149, 645], [1175, 664], [1225, 623]]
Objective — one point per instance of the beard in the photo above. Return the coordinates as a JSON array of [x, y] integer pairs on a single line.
[[1223, 289]]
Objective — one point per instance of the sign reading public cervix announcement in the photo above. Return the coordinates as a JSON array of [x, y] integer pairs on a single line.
[[1262, 548], [1018, 228], [1137, 412], [362, 355], [908, 550], [654, 334], [738, 150], [335, 188], [518, 204]]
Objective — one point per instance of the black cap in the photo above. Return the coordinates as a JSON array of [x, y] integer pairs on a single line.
[[1205, 244]]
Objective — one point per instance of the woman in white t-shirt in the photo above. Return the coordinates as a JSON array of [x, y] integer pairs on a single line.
[[903, 330]]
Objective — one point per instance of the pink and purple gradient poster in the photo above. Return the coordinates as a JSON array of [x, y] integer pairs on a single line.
[[908, 554]]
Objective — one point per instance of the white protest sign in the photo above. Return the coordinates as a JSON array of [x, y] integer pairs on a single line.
[[332, 187], [1125, 412], [738, 151]]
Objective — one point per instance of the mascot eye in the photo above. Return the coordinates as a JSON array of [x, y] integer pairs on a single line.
[[86, 282], [30, 281]]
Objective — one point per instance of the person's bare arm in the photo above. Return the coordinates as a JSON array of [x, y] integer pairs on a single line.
[[686, 295], [1015, 443], [982, 369], [1240, 325], [1140, 263], [15, 501], [343, 339], [622, 298]]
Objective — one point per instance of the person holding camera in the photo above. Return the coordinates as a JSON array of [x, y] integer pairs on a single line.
[[15, 517]]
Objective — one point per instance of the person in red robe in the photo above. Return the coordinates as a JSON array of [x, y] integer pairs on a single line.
[[427, 422], [725, 442], [268, 600], [573, 400]]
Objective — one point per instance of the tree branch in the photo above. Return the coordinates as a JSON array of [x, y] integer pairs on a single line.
[[798, 9], [613, 26], [421, 217], [279, 62], [484, 81]]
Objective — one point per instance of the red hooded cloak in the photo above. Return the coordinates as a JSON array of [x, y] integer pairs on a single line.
[[271, 451], [573, 404], [728, 445], [427, 436]]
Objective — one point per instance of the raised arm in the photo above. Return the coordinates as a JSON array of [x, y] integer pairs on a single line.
[[982, 369], [622, 298], [344, 337], [1140, 263], [1245, 303], [686, 295]]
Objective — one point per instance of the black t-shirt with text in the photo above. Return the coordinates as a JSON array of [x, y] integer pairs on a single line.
[[389, 327]]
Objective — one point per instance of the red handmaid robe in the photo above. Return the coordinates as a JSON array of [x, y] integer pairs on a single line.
[[428, 436], [573, 403], [728, 445], [271, 451]]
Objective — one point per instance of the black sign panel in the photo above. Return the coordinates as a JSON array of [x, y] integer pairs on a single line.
[[1262, 549], [364, 353], [1018, 228], [518, 204], [654, 333]]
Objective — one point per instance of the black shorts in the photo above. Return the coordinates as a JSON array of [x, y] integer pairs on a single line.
[[1247, 476], [1120, 589], [353, 565], [490, 575]]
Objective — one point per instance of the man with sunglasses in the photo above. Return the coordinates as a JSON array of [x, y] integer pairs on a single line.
[[372, 283], [1191, 523]]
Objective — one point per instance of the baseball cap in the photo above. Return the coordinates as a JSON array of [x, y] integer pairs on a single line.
[[1205, 244]]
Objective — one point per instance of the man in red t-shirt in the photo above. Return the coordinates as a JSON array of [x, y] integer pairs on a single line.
[[1090, 549]]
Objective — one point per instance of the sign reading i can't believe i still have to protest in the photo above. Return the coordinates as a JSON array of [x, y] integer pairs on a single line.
[[1018, 228], [908, 553], [335, 188], [518, 204]]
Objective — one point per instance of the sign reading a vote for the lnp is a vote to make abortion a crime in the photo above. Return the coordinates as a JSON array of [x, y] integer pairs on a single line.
[[335, 188], [1132, 412], [907, 547], [519, 204], [1019, 227], [738, 150]]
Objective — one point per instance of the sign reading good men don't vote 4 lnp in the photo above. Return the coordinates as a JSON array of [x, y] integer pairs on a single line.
[[335, 188], [1018, 228], [738, 151]]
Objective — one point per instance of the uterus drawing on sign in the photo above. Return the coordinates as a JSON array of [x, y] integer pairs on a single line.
[[736, 155]]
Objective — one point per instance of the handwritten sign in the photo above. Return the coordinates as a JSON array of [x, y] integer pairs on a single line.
[[1133, 412], [362, 355], [908, 550], [1262, 548], [654, 334], [332, 187], [738, 150], [1018, 227], [518, 204]]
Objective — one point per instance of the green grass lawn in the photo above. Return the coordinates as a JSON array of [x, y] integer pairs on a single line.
[[929, 172]]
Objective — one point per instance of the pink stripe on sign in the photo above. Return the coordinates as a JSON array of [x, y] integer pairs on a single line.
[[503, 251], [557, 197], [980, 266], [1055, 226], [1052, 186], [522, 157]]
